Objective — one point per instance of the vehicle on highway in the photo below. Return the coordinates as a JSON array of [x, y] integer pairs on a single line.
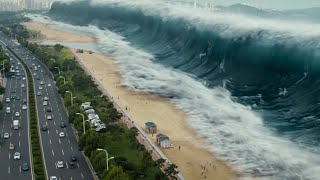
[[46, 98], [40, 87], [44, 127], [24, 101], [16, 156], [25, 167], [73, 158], [23, 78], [16, 124], [61, 134], [62, 125], [34, 74], [22, 85], [18, 98], [24, 107], [49, 110], [6, 135], [8, 110], [49, 117], [11, 146], [13, 91], [38, 77], [17, 114], [38, 66], [53, 178], [7, 100], [60, 164], [49, 85], [41, 82], [13, 97], [45, 103], [72, 164], [17, 67], [39, 93]]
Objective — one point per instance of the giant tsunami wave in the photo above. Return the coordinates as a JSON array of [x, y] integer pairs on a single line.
[[250, 85]]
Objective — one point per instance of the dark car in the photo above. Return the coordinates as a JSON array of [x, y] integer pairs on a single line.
[[13, 91], [24, 101], [13, 97], [49, 110], [72, 165], [25, 167], [44, 127], [62, 125], [18, 97], [73, 158]]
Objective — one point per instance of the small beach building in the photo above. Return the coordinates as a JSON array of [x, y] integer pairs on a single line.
[[151, 127], [163, 141]]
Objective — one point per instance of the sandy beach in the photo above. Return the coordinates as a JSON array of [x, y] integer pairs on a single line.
[[194, 160]]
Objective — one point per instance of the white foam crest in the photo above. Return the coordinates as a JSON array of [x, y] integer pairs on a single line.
[[232, 130]]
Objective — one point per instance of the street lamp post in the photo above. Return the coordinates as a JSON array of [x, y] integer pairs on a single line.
[[64, 79], [71, 97], [107, 158], [58, 69], [53, 60], [83, 122]]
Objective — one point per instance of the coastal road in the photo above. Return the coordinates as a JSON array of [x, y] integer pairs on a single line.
[[10, 168], [54, 147]]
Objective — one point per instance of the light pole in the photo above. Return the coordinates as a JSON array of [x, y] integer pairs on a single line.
[[3, 67], [107, 158], [71, 97], [64, 79], [83, 122], [58, 69], [53, 60]]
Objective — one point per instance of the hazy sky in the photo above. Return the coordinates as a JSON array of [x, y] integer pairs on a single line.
[[273, 4]]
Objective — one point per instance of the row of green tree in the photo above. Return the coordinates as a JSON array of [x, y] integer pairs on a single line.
[[3, 58], [132, 160]]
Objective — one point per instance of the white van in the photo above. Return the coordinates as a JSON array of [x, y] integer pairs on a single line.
[[45, 103], [8, 110]]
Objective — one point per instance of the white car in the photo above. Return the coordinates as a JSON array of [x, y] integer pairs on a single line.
[[45, 103], [22, 85], [49, 85], [61, 134], [40, 87], [7, 99], [17, 114], [49, 117], [39, 93], [41, 82], [46, 98], [16, 156], [24, 78], [24, 107], [6, 135], [34, 74], [60, 164]]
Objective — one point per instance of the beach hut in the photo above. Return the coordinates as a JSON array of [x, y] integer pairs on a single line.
[[151, 127], [163, 141]]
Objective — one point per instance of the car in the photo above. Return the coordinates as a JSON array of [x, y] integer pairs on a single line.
[[25, 167], [53, 178], [6, 135], [45, 103], [49, 110], [13, 91], [13, 97], [41, 82], [17, 67], [23, 78], [44, 127], [73, 158], [40, 87], [18, 98], [62, 125], [49, 117], [39, 93], [7, 100], [61, 134], [46, 98], [11, 146], [38, 78], [22, 85], [49, 85], [17, 114], [16, 156], [60, 164], [38, 66], [24, 101], [18, 78], [24, 107], [72, 165], [34, 74]]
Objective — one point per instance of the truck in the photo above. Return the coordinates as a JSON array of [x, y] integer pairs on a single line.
[[16, 124]]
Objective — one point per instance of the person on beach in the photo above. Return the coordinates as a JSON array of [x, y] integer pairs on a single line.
[[179, 147]]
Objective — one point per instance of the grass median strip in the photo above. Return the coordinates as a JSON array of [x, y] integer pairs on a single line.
[[37, 160]]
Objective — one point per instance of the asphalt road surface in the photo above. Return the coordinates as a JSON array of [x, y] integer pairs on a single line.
[[54, 148]]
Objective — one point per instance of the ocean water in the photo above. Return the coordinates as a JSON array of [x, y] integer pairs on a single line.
[[247, 78]]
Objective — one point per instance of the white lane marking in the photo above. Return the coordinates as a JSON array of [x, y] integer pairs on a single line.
[[56, 167], [82, 175], [66, 134], [62, 151], [9, 155], [48, 131], [50, 141], [8, 169], [52, 152], [69, 141], [10, 134], [67, 165], [20, 168], [54, 122], [78, 165], [19, 134], [47, 123], [19, 143], [59, 141], [57, 131], [70, 178], [71, 148]]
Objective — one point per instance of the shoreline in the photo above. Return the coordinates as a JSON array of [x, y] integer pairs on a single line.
[[143, 107]]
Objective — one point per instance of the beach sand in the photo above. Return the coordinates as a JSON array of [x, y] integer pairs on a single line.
[[142, 107], [55, 35]]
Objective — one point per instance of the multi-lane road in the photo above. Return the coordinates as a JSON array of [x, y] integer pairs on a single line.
[[55, 148]]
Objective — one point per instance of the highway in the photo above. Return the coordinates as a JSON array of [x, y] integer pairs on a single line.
[[54, 148], [10, 168]]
